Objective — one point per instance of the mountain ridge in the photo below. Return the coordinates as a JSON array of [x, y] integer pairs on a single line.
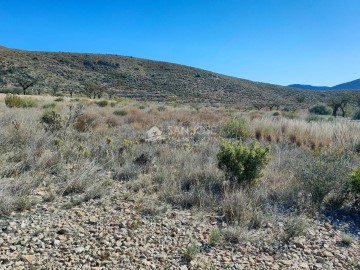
[[141, 79], [352, 85]]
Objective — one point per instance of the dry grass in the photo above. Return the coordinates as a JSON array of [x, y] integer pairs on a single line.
[[96, 147]]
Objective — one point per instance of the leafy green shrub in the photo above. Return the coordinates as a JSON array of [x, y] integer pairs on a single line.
[[120, 112], [192, 250], [215, 236], [235, 128], [102, 103], [320, 109], [357, 115], [289, 109], [277, 113], [242, 163], [355, 180], [15, 101], [52, 120]]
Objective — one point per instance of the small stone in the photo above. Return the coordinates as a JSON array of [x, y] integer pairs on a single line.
[[28, 258], [328, 254], [79, 249], [304, 265], [93, 220], [286, 262], [56, 242]]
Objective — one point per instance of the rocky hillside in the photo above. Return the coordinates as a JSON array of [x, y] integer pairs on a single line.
[[138, 78], [112, 234]]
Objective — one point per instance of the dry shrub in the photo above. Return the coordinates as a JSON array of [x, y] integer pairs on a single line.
[[207, 117], [86, 122], [14, 193], [112, 121], [143, 119], [243, 207], [184, 118]]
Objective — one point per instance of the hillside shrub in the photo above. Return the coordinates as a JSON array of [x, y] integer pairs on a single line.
[[15, 101], [356, 115], [320, 109], [49, 106], [161, 108], [86, 122], [102, 103], [242, 163], [235, 128], [120, 112], [59, 99], [355, 181], [323, 177], [52, 120]]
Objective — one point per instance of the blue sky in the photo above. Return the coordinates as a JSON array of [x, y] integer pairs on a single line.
[[277, 41]]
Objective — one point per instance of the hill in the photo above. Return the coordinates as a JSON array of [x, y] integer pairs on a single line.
[[353, 85], [309, 87], [64, 73], [349, 85]]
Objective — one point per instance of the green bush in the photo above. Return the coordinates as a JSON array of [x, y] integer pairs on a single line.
[[49, 106], [52, 120], [356, 115], [320, 109], [120, 112], [318, 118], [355, 180], [235, 128], [102, 103], [59, 99], [277, 113], [15, 101], [161, 108], [242, 163]]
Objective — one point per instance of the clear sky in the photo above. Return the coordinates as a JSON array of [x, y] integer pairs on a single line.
[[277, 41]]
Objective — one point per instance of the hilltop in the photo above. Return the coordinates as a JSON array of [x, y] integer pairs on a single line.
[[353, 85], [141, 79]]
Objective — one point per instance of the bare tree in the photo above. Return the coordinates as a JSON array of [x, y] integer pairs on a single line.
[[25, 81], [339, 102]]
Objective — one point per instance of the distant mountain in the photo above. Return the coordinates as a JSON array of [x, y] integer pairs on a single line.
[[309, 87], [353, 85]]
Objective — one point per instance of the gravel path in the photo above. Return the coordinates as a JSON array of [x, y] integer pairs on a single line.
[[111, 234]]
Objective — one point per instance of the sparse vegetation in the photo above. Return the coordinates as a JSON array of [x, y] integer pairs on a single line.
[[235, 128], [268, 167], [15, 101], [120, 112]]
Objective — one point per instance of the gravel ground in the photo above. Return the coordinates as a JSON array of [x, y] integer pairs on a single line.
[[111, 234]]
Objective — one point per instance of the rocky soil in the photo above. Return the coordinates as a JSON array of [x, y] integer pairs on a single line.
[[110, 233]]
